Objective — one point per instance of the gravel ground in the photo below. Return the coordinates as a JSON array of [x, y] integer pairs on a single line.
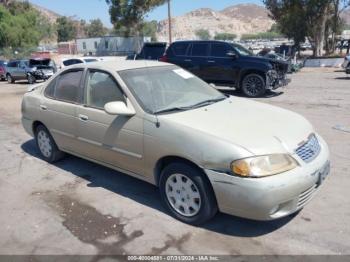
[[77, 207]]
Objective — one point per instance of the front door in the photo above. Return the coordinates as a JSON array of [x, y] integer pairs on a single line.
[[111, 139], [220, 66]]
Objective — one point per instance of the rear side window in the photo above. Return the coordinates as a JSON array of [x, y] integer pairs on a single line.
[[200, 49], [220, 50], [12, 64], [180, 49], [66, 87], [50, 89]]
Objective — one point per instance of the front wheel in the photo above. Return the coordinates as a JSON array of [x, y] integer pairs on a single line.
[[187, 194], [253, 85], [31, 79], [47, 145]]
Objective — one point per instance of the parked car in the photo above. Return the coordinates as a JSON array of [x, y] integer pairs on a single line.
[[150, 51], [159, 123], [78, 60], [228, 64], [346, 62], [3, 64], [31, 70]]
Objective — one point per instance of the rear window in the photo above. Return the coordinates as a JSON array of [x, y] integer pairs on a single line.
[[90, 60], [180, 48]]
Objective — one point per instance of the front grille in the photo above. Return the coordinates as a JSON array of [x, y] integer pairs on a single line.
[[310, 150]]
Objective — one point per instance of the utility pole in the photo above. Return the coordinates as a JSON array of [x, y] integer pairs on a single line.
[[169, 21]]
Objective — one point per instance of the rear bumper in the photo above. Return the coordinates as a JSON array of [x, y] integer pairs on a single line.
[[28, 126], [271, 197]]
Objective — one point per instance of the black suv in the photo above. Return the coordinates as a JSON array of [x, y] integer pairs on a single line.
[[150, 51], [228, 64]]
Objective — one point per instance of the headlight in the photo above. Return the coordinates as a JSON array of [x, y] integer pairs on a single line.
[[261, 166]]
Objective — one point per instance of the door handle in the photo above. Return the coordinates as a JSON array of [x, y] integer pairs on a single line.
[[83, 117], [211, 61], [42, 107], [188, 60]]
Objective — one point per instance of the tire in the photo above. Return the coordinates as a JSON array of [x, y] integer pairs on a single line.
[[47, 146], [195, 210], [10, 79], [31, 79], [253, 85]]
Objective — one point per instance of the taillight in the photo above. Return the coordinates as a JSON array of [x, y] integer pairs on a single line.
[[164, 58], [2, 70]]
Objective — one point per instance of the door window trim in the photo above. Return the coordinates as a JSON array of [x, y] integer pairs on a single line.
[[80, 95], [85, 89]]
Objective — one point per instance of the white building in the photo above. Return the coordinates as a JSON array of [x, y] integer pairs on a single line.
[[110, 45]]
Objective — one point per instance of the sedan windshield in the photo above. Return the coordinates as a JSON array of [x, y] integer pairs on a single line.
[[167, 89]]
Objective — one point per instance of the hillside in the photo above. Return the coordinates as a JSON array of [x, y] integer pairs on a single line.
[[50, 15], [237, 19]]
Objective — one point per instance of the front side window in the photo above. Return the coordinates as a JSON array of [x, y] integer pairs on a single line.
[[102, 89], [168, 88], [220, 50], [68, 87], [242, 50], [200, 49]]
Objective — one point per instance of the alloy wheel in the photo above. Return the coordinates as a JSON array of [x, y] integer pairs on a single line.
[[253, 85]]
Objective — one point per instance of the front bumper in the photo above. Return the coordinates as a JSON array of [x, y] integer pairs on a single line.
[[275, 80], [273, 197]]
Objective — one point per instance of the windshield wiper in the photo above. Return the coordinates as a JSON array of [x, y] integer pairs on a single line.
[[208, 102], [172, 109], [202, 103]]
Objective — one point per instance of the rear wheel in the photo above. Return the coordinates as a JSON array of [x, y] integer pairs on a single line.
[[253, 85], [10, 79], [47, 145], [187, 194]]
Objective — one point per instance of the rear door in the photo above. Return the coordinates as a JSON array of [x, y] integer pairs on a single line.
[[220, 66], [112, 139], [199, 57], [58, 107], [178, 54]]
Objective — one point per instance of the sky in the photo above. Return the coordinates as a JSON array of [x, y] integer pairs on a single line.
[[92, 9]]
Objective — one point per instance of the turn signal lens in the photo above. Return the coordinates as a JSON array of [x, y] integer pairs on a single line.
[[262, 166]]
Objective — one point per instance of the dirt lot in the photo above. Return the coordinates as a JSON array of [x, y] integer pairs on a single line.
[[77, 207]]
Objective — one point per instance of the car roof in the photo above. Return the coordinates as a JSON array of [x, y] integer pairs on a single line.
[[121, 65]]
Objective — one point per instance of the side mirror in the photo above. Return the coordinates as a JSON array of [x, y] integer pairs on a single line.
[[119, 108], [232, 55]]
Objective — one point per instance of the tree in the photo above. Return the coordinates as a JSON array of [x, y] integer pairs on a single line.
[[225, 36], [301, 19], [203, 34], [66, 30], [95, 28], [127, 16], [150, 29]]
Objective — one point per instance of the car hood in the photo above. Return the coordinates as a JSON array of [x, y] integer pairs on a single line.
[[259, 128]]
